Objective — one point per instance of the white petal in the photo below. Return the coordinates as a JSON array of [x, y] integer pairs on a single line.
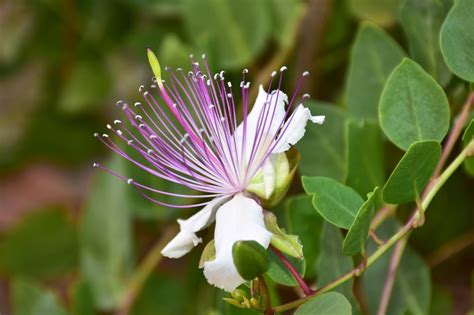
[[239, 219], [186, 239], [296, 127], [276, 100]]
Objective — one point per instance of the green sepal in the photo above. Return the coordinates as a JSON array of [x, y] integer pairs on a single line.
[[208, 254], [286, 243], [250, 259]]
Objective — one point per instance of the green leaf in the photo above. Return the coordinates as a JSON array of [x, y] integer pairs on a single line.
[[374, 54], [231, 33], [412, 288], [330, 303], [382, 12], [162, 295], [413, 106], [332, 264], [421, 20], [286, 243], [28, 298], [280, 274], [335, 202], [82, 299], [354, 242], [365, 158], [105, 238], [466, 138], [441, 302], [327, 160], [457, 39], [43, 244], [410, 176], [302, 220], [250, 259]]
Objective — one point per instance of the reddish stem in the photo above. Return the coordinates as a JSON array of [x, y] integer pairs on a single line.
[[306, 289]]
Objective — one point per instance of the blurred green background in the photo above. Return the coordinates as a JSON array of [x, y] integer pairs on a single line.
[[70, 237]]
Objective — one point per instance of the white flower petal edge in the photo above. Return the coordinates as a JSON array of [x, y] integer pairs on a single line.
[[186, 239], [239, 219], [295, 128]]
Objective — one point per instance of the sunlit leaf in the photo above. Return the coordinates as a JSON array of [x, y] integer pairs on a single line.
[[413, 106], [456, 42], [330, 303], [410, 176], [335, 202], [374, 54], [383, 12]]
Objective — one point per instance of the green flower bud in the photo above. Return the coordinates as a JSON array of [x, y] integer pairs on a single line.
[[250, 259]]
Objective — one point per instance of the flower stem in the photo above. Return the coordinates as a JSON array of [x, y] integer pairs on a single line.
[[266, 294], [306, 289], [143, 271], [403, 232], [392, 272]]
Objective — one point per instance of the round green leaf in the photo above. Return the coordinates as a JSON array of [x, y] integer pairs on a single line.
[[413, 106], [250, 259], [328, 159], [373, 57], [457, 38], [335, 202], [410, 176], [354, 242], [331, 303]]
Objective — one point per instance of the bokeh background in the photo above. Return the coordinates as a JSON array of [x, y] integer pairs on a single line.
[[64, 64]]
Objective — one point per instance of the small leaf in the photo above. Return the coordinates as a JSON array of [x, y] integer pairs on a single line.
[[286, 243], [374, 54], [332, 264], [466, 138], [335, 202], [410, 176], [301, 219], [330, 303], [250, 259], [28, 298], [354, 242], [280, 274], [413, 106], [365, 158], [421, 20], [457, 39], [328, 159]]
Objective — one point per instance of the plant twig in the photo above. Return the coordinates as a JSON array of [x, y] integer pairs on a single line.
[[450, 249], [143, 271], [455, 132], [403, 232], [266, 294], [392, 272], [304, 287]]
